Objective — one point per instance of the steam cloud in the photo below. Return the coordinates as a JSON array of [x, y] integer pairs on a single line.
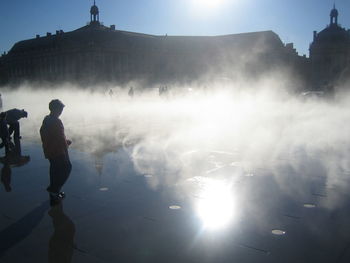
[[196, 132]]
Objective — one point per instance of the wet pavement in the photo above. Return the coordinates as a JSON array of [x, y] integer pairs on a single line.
[[122, 209]]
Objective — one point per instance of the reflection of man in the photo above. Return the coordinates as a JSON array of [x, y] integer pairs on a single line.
[[12, 158], [55, 146], [6, 176], [61, 243], [12, 118]]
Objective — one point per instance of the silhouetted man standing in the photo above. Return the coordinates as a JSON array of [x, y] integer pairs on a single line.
[[55, 146]]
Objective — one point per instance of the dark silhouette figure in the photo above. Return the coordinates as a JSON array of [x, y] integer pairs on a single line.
[[0, 102], [19, 230], [131, 92], [12, 118], [6, 176], [110, 93], [61, 244], [163, 91], [4, 133], [13, 158], [55, 146]]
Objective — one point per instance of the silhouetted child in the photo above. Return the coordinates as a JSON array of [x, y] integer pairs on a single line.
[[55, 146]]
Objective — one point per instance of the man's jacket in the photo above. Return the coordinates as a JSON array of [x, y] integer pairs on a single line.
[[53, 137]]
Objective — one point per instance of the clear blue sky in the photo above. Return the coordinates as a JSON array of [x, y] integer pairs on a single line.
[[293, 20]]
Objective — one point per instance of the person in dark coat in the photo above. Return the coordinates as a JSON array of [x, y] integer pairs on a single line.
[[131, 92], [4, 133], [12, 118], [55, 147]]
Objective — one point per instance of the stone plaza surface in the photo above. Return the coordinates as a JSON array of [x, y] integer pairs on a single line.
[[112, 213]]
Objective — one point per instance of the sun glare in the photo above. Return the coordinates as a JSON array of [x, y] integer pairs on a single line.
[[208, 3], [207, 6], [215, 206]]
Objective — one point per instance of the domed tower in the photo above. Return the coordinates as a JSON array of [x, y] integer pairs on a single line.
[[330, 54], [94, 14], [334, 16]]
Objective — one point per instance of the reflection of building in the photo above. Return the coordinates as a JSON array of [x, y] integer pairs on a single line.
[[330, 54], [99, 163], [96, 53]]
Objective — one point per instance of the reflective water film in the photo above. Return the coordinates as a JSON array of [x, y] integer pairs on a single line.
[[228, 174]]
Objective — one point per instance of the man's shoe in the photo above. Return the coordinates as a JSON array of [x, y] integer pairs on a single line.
[[54, 200]]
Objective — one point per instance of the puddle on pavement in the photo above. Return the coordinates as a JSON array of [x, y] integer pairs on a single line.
[[309, 205], [278, 232], [175, 207]]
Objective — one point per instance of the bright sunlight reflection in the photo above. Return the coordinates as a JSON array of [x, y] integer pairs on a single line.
[[215, 206]]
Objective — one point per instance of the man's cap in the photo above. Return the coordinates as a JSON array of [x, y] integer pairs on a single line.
[[56, 104]]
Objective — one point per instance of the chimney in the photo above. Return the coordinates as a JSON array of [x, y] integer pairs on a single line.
[[315, 35], [37, 36], [112, 27], [48, 34], [61, 31], [290, 46], [57, 32]]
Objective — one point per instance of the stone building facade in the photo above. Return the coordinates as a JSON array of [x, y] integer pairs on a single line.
[[330, 55], [98, 54]]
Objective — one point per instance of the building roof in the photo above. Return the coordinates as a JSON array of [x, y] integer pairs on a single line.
[[99, 35], [332, 35], [333, 32]]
